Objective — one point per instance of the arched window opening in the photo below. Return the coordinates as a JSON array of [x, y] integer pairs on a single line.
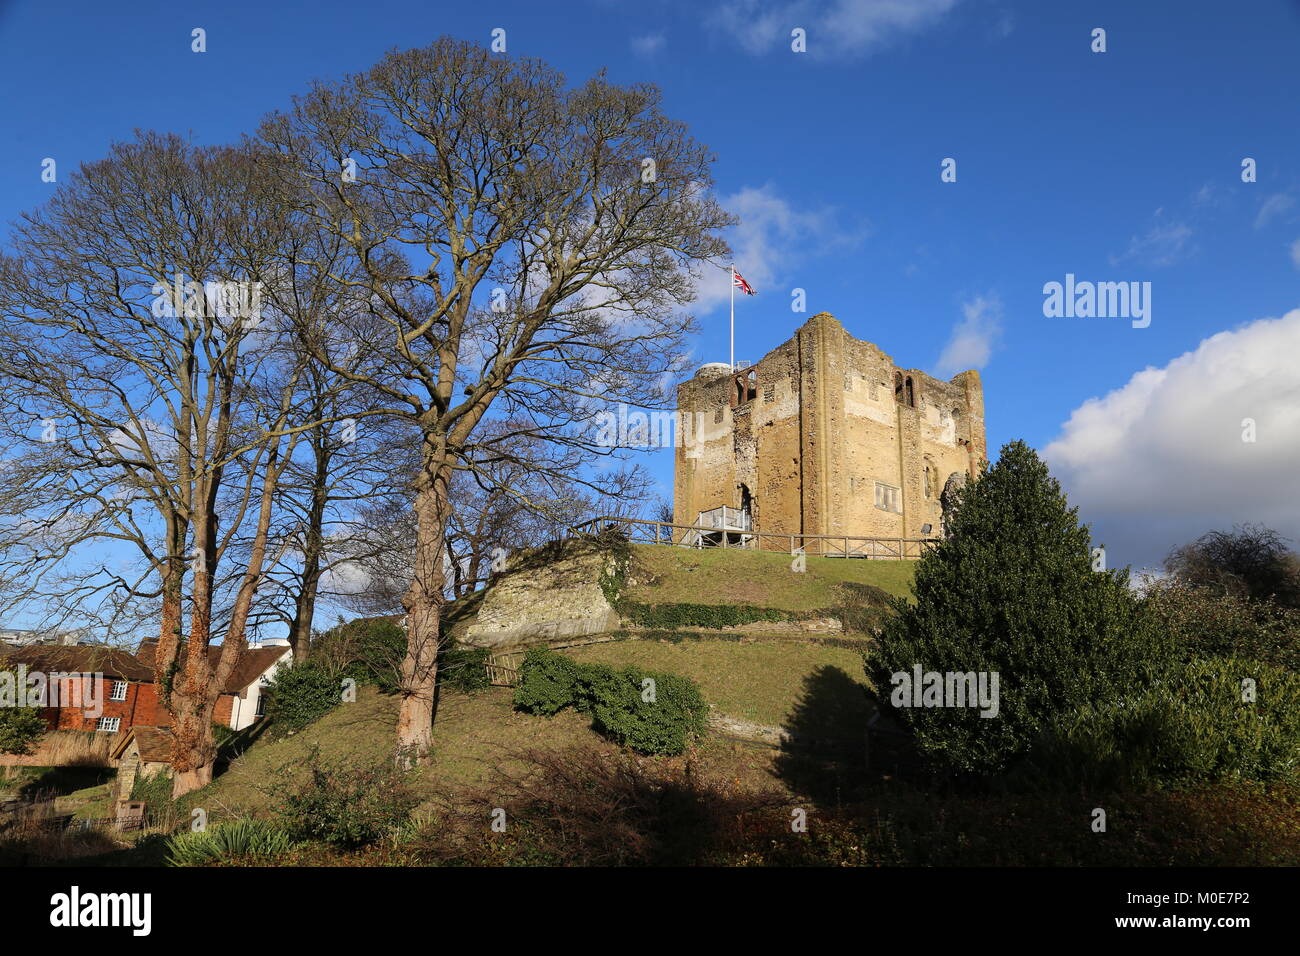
[[746, 387], [904, 393]]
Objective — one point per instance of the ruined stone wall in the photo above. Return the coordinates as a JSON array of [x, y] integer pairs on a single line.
[[822, 429]]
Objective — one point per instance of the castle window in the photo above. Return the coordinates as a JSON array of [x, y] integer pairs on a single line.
[[746, 387], [904, 393], [929, 482], [889, 498]]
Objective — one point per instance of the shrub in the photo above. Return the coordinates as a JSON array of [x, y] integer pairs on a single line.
[[367, 650], [1192, 728], [228, 841], [1012, 591], [548, 682], [671, 616], [300, 694], [20, 727], [464, 668], [862, 608], [1210, 623], [155, 790], [1250, 561], [346, 806], [653, 718]]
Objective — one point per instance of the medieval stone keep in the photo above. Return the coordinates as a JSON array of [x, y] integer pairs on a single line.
[[825, 435]]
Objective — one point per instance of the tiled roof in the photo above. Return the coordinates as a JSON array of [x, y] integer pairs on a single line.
[[80, 658], [252, 663], [155, 744]]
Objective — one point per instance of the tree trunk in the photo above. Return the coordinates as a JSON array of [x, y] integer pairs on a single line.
[[423, 604], [304, 610], [313, 548], [193, 747], [196, 748]]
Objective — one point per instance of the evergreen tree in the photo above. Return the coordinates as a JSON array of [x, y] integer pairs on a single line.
[[1013, 591], [20, 727]]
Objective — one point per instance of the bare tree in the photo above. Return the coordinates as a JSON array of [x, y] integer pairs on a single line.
[[148, 404], [528, 245], [1249, 562]]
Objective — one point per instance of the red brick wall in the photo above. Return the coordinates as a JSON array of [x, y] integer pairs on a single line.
[[138, 708], [141, 708], [225, 708]]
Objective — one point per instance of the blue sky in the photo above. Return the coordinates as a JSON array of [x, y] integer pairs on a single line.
[[1115, 166]]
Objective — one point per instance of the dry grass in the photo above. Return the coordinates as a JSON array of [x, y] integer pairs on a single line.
[[474, 736], [63, 748]]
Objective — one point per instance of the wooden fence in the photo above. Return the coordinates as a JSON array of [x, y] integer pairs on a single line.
[[821, 545], [503, 669]]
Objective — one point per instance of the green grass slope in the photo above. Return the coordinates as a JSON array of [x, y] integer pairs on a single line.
[[660, 575]]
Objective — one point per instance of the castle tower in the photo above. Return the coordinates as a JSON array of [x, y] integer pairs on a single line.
[[826, 435]]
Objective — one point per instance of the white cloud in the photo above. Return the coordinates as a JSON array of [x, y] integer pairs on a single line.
[[1274, 207], [648, 45], [971, 342], [1161, 460], [1164, 244], [834, 27], [765, 240]]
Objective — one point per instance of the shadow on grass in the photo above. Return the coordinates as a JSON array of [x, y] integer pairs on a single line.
[[823, 755], [60, 781]]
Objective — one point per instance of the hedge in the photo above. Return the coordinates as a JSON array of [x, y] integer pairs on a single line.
[[650, 712]]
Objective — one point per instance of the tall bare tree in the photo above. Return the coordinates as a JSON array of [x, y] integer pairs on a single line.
[[148, 404], [530, 248]]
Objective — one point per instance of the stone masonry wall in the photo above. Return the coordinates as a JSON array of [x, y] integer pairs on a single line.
[[822, 429]]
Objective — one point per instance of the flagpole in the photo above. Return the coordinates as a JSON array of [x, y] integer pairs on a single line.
[[733, 318]]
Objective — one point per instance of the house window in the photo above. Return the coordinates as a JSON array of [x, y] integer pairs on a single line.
[[889, 498], [119, 690], [109, 725], [261, 706]]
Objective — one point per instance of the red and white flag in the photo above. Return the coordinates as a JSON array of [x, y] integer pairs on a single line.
[[739, 282]]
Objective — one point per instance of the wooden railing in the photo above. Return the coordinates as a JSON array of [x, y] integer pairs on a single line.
[[821, 545], [503, 669]]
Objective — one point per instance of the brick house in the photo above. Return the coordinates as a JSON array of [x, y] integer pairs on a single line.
[[242, 700], [125, 696]]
